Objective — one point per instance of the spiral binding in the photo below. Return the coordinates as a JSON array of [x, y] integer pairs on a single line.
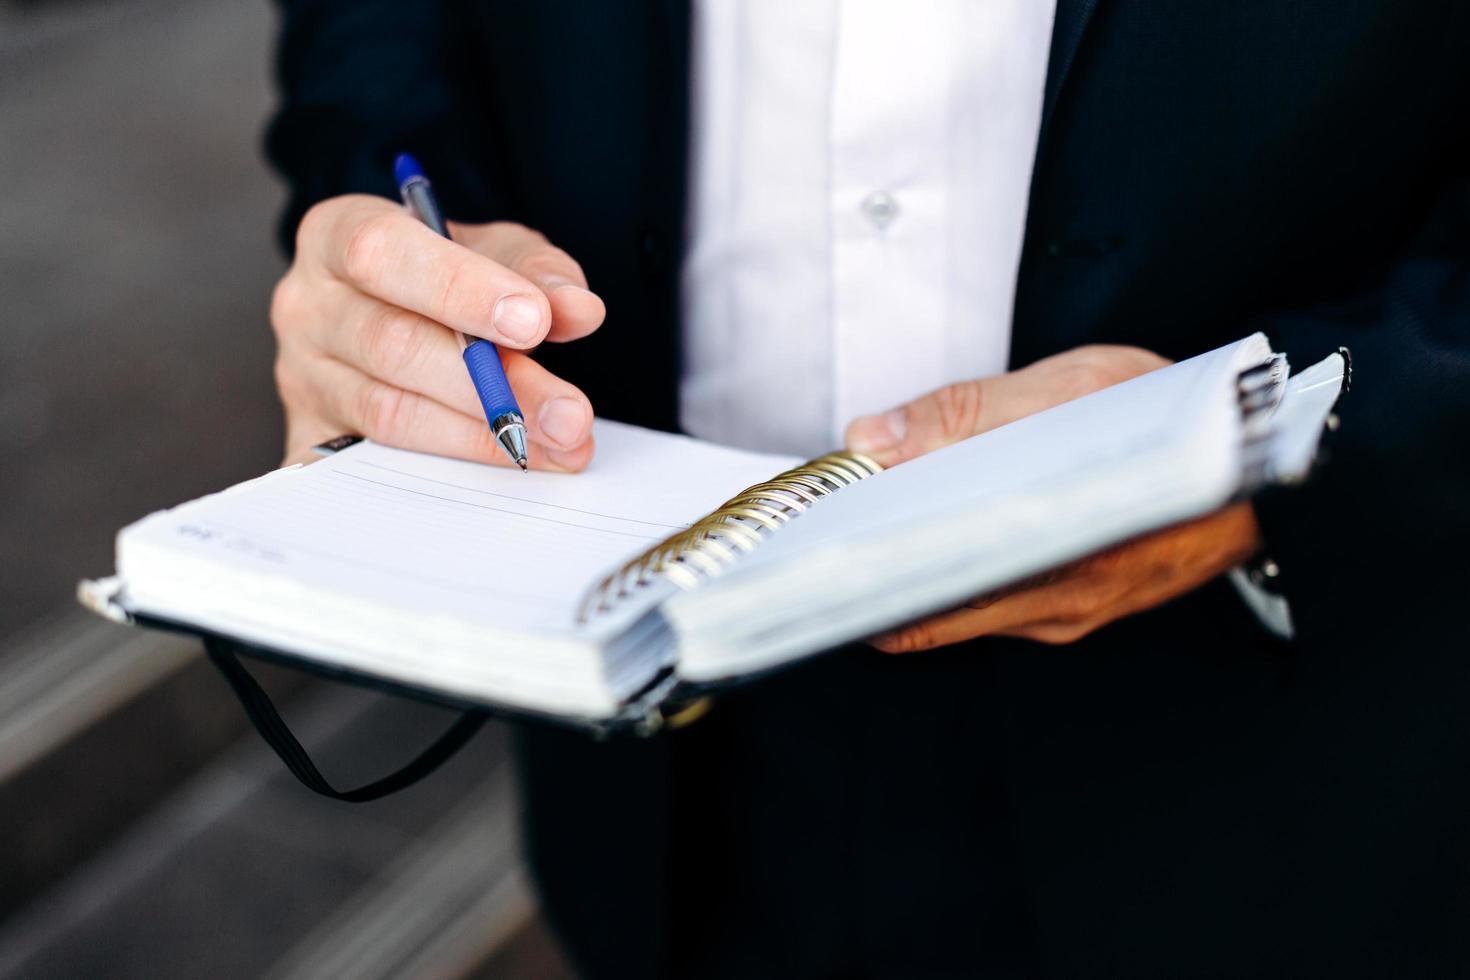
[[716, 540], [1259, 391]]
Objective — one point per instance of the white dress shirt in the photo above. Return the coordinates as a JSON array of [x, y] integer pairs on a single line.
[[859, 185], [858, 196]]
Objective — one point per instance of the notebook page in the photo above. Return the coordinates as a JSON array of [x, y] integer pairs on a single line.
[[447, 538], [993, 509]]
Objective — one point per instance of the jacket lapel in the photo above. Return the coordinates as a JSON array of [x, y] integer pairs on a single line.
[[1071, 21]]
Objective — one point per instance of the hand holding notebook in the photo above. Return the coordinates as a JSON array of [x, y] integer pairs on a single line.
[[367, 561], [1061, 605]]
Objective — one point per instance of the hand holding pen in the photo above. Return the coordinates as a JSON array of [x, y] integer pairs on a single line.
[[502, 411], [366, 318]]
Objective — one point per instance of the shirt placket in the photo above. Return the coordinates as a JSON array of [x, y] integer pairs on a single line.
[[888, 201]]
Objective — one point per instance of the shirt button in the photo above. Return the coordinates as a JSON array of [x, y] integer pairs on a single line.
[[880, 209]]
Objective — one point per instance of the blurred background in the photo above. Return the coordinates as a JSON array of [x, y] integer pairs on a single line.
[[144, 830]]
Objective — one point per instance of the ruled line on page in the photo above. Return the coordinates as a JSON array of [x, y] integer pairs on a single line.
[[501, 510], [507, 496]]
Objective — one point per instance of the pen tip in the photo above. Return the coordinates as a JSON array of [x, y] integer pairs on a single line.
[[510, 432]]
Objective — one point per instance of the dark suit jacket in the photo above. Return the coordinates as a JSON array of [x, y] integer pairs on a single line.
[[1174, 795]]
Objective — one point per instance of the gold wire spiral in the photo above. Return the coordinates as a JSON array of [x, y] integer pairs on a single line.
[[713, 542]]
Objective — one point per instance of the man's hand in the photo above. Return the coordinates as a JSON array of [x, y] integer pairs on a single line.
[[363, 320], [1071, 602]]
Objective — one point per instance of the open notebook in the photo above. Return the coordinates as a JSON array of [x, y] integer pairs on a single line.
[[600, 597]]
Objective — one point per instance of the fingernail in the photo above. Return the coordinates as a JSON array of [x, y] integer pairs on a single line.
[[563, 421], [877, 433], [518, 318]]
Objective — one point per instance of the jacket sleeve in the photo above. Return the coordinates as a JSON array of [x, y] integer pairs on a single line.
[[1381, 532], [359, 82]]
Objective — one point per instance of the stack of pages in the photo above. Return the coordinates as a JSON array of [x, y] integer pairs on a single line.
[[594, 597]]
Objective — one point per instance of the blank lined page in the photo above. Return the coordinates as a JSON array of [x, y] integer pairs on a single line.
[[447, 537]]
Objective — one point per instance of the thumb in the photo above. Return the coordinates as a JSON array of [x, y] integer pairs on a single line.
[[936, 420]]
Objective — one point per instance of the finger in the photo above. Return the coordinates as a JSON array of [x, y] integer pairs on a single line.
[[414, 353], [968, 408], [558, 415], [379, 249], [1053, 632], [410, 420], [1005, 614], [1092, 367], [575, 310], [947, 415], [942, 417], [1073, 601], [1070, 597]]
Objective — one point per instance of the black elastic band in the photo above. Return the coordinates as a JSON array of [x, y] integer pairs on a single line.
[[267, 721]]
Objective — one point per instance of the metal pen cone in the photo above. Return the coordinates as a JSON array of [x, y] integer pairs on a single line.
[[510, 432]]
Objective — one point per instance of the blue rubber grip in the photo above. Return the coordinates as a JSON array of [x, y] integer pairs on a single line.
[[488, 374]]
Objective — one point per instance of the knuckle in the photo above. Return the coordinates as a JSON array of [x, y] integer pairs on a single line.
[[287, 303], [314, 223], [910, 639], [287, 384], [465, 298], [1088, 370], [382, 413], [1105, 564], [957, 408], [392, 341], [1083, 603], [1080, 599], [1093, 367], [1093, 352], [1146, 360], [1059, 634], [367, 246], [1083, 377]]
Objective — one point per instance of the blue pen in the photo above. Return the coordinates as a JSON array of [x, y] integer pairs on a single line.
[[480, 356]]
